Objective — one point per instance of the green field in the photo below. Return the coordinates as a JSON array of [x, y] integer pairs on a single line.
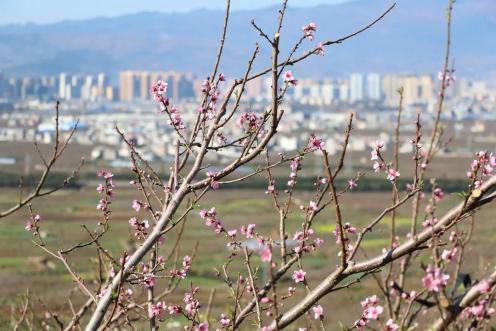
[[22, 264]]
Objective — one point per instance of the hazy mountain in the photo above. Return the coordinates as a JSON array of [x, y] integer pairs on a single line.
[[409, 39]]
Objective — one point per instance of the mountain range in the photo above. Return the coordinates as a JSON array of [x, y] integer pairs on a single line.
[[410, 38]]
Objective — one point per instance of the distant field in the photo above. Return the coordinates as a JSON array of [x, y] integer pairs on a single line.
[[63, 214]]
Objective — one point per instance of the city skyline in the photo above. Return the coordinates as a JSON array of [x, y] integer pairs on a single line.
[[132, 85]]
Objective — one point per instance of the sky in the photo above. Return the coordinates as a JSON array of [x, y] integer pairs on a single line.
[[47, 11]]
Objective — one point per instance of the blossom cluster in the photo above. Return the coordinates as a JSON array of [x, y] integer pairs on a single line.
[[379, 163], [289, 78], [175, 118], [314, 143], [484, 165], [214, 184], [183, 271], [448, 77], [33, 222], [481, 309], [140, 227], [347, 229], [309, 30], [302, 237], [434, 279], [249, 122], [371, 311], [211, 91], [295, 165], [158, 90], [210, 218], [192, 305], [105, 189]]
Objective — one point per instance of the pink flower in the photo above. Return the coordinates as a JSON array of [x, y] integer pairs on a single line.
[[434, 279], [250, 122], [157, 309], [224, 320], [438, 193], [101, 205], [429, 222], [379, 144], [377, 166], [309, 29], [202, 327], [299, 276], [175, 118], [265, 300], [214, 184], [374, 155], [270, 189], [314, 143], [318, 242], [158, 90], [133, 221], [373, 312], [352, 184], [449, 255], [289, 78], [312, 206], [295, 163], [477, 310], [318, 312], [266, 254], [150, 280], [320, 49], [484, 286], [453, 237], [249, 231], [100, 188], [232, 233], [372, 300], [29, 226], [391, 326], [174, 310], [298, 236], [208, 213], [137, 205], [105, 174], [392, 174]]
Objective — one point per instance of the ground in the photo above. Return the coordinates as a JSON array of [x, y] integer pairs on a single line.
[[22, 264]]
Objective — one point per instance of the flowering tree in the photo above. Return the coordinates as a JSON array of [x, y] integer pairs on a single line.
[[399, 305]]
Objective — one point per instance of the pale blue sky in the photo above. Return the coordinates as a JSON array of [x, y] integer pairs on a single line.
[[46, 11]]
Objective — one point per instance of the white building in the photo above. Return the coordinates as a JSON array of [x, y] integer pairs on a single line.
[[356, 87]]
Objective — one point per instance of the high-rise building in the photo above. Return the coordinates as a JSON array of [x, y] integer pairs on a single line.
[[63, 81], [254, 88], [426, 88], [185, 86], [356, 87], [344, 91], [374, 86], [390, 86], [126, 86], [328, 91], [144, 85]]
